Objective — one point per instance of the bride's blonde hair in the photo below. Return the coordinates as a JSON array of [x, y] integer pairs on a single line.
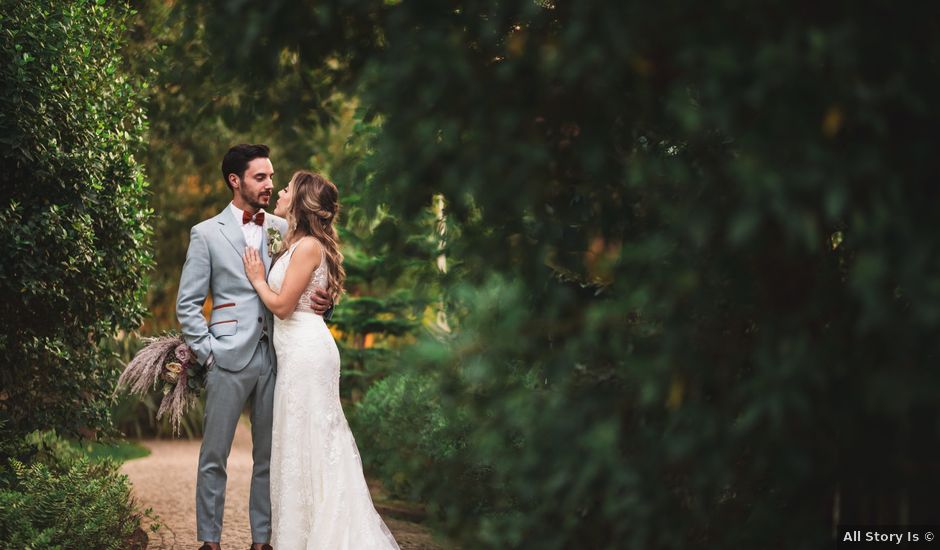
[[313, 209]]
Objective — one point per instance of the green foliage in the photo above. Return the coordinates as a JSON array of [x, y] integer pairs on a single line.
[[76, 238], [195, 117], [196, 113], [60, 499], [117, 451], [85, 506], [36, 447], [186, 141], [646, 198], [401, 429], [692, 257]]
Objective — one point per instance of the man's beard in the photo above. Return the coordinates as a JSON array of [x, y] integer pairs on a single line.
[[255, 202]]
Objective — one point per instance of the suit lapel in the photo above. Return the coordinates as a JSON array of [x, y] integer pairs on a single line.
[[231, 231]]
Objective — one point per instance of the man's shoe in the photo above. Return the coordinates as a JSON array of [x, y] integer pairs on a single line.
[[264, 546], [205, 546]]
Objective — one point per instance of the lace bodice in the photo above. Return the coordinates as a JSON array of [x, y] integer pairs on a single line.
[[317, 280]]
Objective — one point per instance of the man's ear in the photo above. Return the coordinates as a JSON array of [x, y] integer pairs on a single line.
[[233, 181]]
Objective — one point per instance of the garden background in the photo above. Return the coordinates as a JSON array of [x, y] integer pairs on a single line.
[[621, 274]]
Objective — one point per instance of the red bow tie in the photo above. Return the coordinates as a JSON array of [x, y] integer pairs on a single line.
[[257, 218]]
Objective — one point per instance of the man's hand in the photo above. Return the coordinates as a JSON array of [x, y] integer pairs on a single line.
[[321, 301]]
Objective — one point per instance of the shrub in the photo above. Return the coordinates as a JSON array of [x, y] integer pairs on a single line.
[[87, 506], [400, 428], [62, 500], [75, 240]]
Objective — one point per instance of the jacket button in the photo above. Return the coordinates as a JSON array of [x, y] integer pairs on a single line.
[[259, 319]]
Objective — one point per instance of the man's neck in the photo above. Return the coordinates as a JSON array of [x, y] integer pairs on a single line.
[[244, 206]]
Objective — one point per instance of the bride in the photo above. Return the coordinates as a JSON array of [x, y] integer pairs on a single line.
[[319, 497]]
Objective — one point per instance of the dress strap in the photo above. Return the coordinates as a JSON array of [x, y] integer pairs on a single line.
[[291, 248], [319, 244]]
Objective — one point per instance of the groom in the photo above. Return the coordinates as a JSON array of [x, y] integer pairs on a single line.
[[235, 344]]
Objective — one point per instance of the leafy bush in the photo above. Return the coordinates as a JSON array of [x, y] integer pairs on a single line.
[[75, 241], [713, 246], [86, 506], [62, 500], [400, 427]]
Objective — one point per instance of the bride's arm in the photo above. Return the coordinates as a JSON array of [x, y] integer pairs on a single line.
[[302, 263]]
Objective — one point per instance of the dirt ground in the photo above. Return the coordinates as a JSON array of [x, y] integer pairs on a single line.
[[166, 482]]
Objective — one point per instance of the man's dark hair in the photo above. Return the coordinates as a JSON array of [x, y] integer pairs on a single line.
[[237, 159]]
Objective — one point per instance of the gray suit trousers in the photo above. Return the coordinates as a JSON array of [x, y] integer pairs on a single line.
[[226, 395]]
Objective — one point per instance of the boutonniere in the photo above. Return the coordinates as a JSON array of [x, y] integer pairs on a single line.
[[275, 241]]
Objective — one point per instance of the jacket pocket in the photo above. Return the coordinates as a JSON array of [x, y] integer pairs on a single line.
[[223, 328]]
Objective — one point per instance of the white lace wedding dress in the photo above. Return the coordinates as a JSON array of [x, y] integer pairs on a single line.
[[319, 497]]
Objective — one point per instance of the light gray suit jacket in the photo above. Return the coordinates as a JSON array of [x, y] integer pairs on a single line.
[[214, 268]]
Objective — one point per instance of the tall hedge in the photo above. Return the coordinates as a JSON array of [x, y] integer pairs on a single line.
[[700, 266], [75, 239], [694, 265]]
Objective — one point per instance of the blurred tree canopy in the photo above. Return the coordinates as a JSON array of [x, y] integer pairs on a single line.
[[311, 119], [76, 237], [691, 294]]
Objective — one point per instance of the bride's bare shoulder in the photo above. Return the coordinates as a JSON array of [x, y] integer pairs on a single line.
[[308, 248]]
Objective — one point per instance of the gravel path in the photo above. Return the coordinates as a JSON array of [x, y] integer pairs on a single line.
[[166, 481]]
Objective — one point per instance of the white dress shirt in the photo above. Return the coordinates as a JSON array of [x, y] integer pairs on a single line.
[[252, 231]]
